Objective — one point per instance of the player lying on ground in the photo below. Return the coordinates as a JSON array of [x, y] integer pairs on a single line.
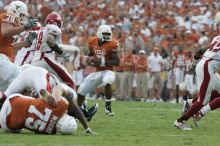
[[38, 78], [44, 116]]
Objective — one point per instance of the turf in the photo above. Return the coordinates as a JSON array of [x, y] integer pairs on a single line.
[[135, 124]]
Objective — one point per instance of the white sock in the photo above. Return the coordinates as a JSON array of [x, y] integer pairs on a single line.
[[206, 109]]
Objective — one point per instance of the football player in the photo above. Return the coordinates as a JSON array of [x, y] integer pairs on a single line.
[[214, 102], [26, 54], [38, 78], [13, 22], [206, 68], [42, 116], [46, 46], [103, 55]]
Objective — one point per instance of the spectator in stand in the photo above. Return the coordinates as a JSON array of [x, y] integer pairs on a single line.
[[155, 64], [141, 76], [203, 40], [179, 69], [119, 78], [128, 74]]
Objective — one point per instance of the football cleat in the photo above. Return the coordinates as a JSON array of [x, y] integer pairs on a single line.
[[92, 111], [181, 125], [196, 118], [109, 112], [89, 113]]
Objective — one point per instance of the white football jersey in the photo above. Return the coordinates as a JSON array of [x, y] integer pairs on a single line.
[[34, 77], [213, 51], [41, 48], [25, 54]]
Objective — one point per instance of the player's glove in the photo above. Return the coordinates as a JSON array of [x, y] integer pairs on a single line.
[[89, 131], [30, 23], [31, 36]]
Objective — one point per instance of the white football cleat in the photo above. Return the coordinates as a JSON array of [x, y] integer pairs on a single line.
[[109, 113], [181, 125]]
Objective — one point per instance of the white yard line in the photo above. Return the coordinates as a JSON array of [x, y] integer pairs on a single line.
[[164, 109]]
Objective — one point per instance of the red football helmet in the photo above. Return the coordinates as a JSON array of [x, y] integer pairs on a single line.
[[54, 18]]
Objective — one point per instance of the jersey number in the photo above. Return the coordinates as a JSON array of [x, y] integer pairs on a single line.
[[39, 41], [215, 47], [39, 124]]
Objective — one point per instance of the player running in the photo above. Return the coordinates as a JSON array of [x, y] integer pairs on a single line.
[[103, 55]]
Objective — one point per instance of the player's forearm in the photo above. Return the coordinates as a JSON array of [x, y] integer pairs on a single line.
[[57, 49], [57, 92], [75, 111], [11, 31]]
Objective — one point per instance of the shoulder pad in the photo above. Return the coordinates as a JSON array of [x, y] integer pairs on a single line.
[[8, 18]]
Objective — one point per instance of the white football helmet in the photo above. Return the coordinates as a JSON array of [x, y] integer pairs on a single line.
[[18, 9], [54, 30], [104, 33], [66, 125]]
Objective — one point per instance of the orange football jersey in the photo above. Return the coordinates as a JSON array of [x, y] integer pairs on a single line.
[[104, 51], [6, 42], [35, 114]]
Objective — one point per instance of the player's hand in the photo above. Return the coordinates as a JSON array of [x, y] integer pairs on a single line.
[[50, 99], [89, 131], [30, 23], [31, 36]]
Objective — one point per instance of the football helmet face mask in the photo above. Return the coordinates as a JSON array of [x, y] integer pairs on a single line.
[[54, 18], [19, 10], [66, 125], [104, 33]]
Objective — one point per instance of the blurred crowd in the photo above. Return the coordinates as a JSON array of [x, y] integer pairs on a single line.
[[156, 37]]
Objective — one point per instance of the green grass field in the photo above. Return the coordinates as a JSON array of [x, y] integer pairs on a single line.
[[135, 124]]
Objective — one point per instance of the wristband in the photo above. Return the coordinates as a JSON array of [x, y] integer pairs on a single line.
[[102, 62], [88, 130]]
